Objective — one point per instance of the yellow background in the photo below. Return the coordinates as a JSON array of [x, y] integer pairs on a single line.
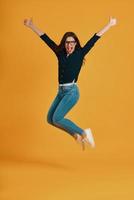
[[39, 161]]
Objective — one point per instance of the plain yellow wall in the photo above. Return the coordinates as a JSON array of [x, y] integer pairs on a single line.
[[29, 79]]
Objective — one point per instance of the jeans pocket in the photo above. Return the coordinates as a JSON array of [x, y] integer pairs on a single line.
[[67, 88]]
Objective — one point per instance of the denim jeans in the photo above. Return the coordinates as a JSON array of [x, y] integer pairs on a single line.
[[66, 98]]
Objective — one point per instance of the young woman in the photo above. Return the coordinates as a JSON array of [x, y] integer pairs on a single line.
[[70, 57]]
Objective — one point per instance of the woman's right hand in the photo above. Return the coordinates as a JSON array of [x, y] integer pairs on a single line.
[[28, 22]]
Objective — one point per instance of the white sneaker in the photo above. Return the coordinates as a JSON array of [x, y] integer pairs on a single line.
[[90, 138]]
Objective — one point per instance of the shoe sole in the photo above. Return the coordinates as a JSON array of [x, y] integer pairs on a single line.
[[90, 137]]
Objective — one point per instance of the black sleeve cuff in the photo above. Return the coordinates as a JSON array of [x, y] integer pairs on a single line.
[[42, 35], [97, 35]]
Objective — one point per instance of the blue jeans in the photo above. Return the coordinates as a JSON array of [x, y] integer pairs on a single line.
[[66, 98]]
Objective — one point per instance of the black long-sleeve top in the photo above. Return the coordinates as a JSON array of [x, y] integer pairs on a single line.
[[69, 66]]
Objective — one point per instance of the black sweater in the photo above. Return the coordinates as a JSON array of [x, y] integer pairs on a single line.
[[69, 67]]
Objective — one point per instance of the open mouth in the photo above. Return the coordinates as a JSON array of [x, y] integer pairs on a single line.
[[70, 49]]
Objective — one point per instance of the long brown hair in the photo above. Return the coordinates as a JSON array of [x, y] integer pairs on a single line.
[[61, 46]]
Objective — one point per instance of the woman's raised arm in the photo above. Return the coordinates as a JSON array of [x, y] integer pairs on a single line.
[[29, 24], [111, 23], [91, 42], [41, 34]]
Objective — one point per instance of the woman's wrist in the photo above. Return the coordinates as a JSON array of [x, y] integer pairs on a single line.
[[32, 26], [109, 25], [105, 28], [36, 30]]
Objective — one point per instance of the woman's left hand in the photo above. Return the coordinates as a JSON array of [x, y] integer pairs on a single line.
[[112, 21]]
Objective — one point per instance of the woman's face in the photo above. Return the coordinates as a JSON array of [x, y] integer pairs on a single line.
[[70, 44]]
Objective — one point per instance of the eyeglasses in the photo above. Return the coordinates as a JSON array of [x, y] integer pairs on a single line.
[[72, 42]]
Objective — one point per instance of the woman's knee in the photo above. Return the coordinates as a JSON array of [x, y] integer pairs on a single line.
[[49, 119], [55, 119]]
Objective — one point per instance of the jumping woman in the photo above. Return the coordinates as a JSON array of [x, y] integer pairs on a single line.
[[70, 57]]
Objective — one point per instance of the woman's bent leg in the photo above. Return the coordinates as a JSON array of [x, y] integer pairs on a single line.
[[67, 102], [51, 111]]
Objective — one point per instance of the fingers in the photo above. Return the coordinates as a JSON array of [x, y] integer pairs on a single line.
[[25, 21]]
